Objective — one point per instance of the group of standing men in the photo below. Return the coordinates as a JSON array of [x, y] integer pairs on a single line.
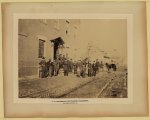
[[64, 66], [90, 69]]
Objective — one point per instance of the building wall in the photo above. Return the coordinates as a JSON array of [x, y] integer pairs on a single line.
[[72, 38], [30, 31]]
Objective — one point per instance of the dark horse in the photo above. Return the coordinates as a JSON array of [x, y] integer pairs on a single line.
[[111, 66]]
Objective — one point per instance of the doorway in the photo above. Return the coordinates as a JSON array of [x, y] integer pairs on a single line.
[[57, 42], [56, 45]]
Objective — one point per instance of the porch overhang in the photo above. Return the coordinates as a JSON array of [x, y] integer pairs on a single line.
[[58, 41]]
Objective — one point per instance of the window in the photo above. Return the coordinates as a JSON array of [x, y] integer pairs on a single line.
[[41, 48]]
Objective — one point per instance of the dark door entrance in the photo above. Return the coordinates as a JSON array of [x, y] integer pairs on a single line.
[[57, 42], [56, 50]]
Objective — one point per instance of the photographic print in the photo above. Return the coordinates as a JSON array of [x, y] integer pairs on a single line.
[[72, 58], [75, 59]]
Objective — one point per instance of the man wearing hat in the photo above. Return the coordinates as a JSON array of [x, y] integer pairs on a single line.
[[43, 69], [65, 68]]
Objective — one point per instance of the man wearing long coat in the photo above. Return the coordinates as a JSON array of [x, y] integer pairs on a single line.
[[49, 67], [66, 68], [43, 68]]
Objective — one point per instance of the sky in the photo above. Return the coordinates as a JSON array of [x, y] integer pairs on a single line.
[[108, 35]]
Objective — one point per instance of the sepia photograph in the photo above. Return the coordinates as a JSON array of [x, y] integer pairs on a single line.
[[75, 59], [72, 58]]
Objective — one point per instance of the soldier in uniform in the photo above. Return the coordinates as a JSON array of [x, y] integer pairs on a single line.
[[65, 67], [55, 68], [97, 66], [43, 69], [83, 71], [90, 69], [71, 65], [57, 62], [94, 68], [49, 67], [75, 67]]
